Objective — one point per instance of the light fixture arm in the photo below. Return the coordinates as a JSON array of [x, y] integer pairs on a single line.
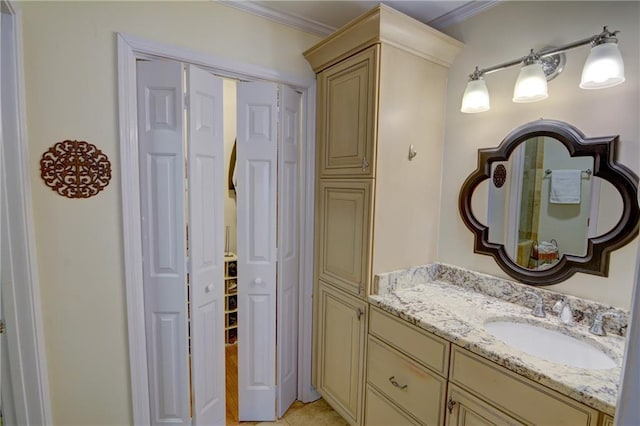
[[604, 37]]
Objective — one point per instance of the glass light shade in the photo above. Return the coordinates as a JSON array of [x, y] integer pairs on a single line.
[[531, 85], [604, 67], [476, 97]]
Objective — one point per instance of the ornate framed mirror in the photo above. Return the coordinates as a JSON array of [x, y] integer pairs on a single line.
[[557, 203]]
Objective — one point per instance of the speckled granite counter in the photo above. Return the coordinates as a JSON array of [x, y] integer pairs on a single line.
[[454, 303]]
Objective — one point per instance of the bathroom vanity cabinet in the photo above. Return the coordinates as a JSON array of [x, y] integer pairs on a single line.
[[408, 367], [426, 380], [380, 95]]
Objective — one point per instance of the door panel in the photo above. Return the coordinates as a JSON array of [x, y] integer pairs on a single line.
[[467, 410], [346, 119], [288, 248], [256, 198], [342, 328], [206, 219], [345, 229], [160, 134]]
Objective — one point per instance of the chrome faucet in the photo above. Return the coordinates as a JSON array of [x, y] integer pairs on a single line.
[[563, 309], [597, 327], [538, 308]]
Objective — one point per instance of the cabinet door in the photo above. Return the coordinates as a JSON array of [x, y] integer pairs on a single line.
[[344, 229], [347, 97], [465, 409], [340, 351], [607, 420]]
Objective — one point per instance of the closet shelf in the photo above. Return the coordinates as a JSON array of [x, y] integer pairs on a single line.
[[231, 299]]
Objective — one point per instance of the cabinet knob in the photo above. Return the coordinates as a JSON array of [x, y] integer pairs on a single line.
[[258, 281], [365, 164], [359, 313], [450, 404], [209, 288]]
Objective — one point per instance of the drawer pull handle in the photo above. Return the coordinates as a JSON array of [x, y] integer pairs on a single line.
[[450, 404], [393, 381], [365, 164]]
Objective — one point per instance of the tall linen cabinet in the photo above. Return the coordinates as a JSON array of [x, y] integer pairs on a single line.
[[381, 94]]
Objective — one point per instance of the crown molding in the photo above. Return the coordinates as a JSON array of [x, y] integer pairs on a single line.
[[261, 8], [291, 19], [462, 13]]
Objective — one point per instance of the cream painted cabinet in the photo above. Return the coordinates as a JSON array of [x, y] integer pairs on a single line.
[[381, 93], [467, 410], [423, 379], [407, 367], [513, 396], [342, 327], [344, 221], [607, 420], [380, 412], [346, 112]]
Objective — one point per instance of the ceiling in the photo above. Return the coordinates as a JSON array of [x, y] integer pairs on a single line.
[[322, 17]]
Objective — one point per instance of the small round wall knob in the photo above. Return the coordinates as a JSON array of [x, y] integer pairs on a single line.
[[209, 288], [258, 281]]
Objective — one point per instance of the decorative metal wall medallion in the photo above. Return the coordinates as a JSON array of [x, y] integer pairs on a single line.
[[75, 169], [499, 175]]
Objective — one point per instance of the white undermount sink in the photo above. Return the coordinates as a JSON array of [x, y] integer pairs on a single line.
[[550, 344]]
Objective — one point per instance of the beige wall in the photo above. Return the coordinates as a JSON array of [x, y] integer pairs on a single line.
[[71, 84], [508, 31]]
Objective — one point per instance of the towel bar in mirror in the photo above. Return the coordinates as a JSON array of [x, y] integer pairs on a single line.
[[516, 222]]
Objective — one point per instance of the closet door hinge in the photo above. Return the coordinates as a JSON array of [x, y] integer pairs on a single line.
[[186, 100]]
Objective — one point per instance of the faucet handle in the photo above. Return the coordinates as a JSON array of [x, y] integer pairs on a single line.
[[563, 309], [597, 327], [538, 308]]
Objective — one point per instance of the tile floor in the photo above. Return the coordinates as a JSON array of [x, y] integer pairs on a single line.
[[317, 413]]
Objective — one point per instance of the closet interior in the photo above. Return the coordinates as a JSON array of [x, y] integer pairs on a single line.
[[230, 252]]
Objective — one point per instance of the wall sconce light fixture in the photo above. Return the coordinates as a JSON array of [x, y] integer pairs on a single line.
[[604, 68]]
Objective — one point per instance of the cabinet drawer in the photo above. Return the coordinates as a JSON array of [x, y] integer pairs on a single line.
[[430, 350], [381, 412], [406, 383], [344, 229], [525, 400]]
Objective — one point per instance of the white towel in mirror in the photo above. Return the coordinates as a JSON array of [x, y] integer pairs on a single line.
[[565, 186]]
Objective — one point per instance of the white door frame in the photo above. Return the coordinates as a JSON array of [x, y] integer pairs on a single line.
[[131, 48], [21, 302]]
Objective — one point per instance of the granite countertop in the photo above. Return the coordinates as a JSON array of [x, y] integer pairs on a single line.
[[452, 303]]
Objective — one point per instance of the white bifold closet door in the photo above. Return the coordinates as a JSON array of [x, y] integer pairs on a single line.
[[268, 241], [174, 193]]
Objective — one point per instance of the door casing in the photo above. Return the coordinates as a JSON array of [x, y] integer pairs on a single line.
[[21, 303], [130, 49]]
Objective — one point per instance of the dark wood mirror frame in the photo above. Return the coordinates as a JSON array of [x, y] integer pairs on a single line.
[[602, 149]]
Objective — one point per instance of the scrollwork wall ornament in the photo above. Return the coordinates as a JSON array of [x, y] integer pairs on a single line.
[[75, 169]]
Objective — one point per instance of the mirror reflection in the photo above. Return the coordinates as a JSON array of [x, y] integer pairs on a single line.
[[549, 202], [546, 206]]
